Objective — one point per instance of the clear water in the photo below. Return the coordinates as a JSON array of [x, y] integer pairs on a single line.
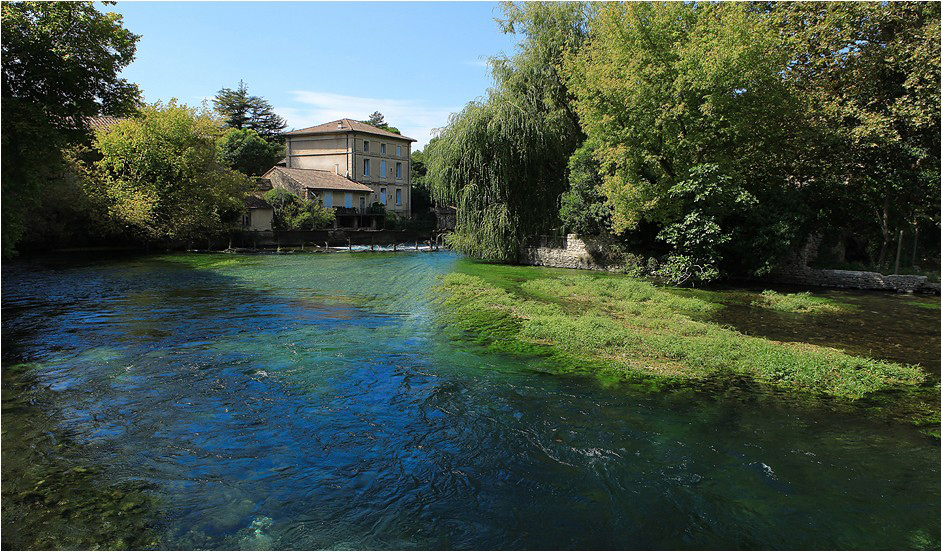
[[314, 401]]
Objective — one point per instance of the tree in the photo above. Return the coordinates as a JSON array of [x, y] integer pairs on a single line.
[[61, 64], [234, 105], [502, 161], [870, 72], [243, 111], [694, 129], [377, 120], [583, 209], [161, 177], [295, 213], [245, 151]]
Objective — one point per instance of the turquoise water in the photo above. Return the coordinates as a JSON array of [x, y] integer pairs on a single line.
[[314, 401]]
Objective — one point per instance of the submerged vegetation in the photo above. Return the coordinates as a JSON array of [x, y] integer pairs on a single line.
[[627, 326], [54, 500], [795, 302]]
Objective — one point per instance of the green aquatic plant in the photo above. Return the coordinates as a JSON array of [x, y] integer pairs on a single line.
[[622, 324], [795, 302]]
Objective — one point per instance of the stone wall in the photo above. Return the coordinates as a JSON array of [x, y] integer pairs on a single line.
[[795, 270], [855, 279], [590, 254], [568, 252]]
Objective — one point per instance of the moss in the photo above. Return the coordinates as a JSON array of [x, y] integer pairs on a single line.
[[795, 302], [627, 326]]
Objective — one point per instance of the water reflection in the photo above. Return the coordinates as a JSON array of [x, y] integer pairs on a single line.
[[314, 402]]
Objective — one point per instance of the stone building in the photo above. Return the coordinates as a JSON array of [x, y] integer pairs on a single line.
[[258, 215], [348, 165]]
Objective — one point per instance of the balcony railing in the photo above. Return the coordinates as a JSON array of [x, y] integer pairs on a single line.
[[342, 211]]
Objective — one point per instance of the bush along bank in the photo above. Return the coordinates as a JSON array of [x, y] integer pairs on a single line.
[[622, 327]]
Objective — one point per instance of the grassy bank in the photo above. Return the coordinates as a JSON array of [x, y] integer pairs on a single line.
[[620, 325]]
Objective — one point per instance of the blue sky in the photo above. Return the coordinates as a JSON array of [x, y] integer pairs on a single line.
[[416, 62]]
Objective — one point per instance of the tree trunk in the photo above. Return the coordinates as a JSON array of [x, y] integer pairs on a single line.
[[885, 229]]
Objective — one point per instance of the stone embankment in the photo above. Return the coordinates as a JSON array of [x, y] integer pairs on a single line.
[[570, 251], [795, 270], [854, 279], [586, 253]]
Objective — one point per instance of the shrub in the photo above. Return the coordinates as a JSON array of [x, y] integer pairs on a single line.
[[295, 213]]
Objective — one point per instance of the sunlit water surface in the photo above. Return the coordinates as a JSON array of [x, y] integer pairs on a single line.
[[314, 401]]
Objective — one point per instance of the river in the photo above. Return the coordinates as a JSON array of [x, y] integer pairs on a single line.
[[316, 402]]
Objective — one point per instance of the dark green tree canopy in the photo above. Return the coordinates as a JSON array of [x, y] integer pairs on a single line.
[[61, 64], [247, 152], [240, 110], [64, 58]]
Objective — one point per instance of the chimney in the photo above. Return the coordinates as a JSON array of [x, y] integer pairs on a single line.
[[336, 168]]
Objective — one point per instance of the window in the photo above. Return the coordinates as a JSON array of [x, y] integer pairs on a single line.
[[328, 199], [398, 196], [348, 199], [382, 196], [398, 151], [382, 149], [398, 170], [366, 145], [382, 168], [366, 167]]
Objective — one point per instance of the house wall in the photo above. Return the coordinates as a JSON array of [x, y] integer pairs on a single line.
[[376, 180], [260, 219], [326, 153], [330, 153], [339, 197]]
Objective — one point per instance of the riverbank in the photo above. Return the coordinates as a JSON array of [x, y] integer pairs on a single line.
[[599, 254], [617, 326]]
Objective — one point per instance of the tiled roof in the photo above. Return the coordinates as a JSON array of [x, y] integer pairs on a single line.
[[103, 122], [348, 125], [320, 180], [254, 202]]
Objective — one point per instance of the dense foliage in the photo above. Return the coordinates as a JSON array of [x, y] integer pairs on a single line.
[[870, 73], [716, 136], [240, 110], [502, 160], [247, 152], [61, 64], [160, 176], [295, 213]]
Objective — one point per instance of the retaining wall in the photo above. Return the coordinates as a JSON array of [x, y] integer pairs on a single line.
[[794, 269], [589, 254], [570, 251]]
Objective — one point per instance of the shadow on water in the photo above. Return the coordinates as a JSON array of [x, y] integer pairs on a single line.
[[315, 402], [898, 327]]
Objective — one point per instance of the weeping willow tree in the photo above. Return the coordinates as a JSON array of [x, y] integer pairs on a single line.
[[502, 161]]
